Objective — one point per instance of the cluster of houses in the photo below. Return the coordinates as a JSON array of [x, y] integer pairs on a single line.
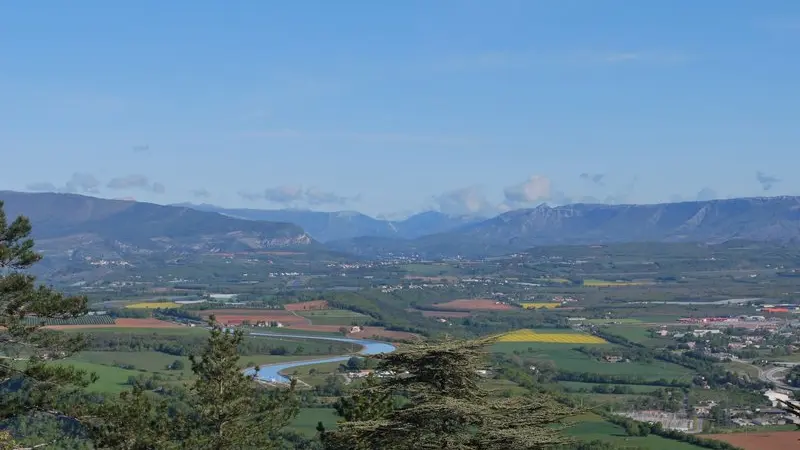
[[749, 417]]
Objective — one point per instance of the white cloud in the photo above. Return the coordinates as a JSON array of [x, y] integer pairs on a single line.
[[536, 189], [468, 200], [293, 195]]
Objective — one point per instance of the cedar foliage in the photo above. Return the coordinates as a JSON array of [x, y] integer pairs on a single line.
[[365, 404], [28, 384], [447, 408]]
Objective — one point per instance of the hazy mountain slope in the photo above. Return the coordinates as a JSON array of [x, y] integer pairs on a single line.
[[754, 219], [69, 222], [334, 226]]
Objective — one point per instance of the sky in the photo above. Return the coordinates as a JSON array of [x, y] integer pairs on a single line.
[[390, 108]]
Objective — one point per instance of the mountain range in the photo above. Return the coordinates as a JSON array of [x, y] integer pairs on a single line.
[[774, 219], [340, 225], [69, 222], [64, 224]]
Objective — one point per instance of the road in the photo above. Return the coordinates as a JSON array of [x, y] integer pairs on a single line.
[[773, 375]]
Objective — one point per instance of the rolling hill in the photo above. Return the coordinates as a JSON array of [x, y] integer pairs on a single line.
[[66, 224]]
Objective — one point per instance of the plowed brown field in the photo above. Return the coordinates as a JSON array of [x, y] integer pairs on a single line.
[[761, 441], [235, 316], [303, 306], [470, 304]]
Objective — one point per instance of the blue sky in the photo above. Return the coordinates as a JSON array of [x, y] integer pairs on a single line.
[[394, 107]]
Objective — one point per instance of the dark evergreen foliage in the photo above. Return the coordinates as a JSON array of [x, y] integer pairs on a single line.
[[447, 406]]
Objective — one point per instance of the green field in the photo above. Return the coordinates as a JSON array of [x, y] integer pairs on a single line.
[[110, 379], [334, 317], [307, 419], [638, 334], [315, 374], [113, 378], [739, 367], [595, 428], [428, 270], [636, 388], [565, 358]]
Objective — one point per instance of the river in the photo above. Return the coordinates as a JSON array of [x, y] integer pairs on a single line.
[[271, 372]]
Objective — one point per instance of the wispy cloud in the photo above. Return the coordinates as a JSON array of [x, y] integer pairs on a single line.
[[467, 200], [596, 178], [78, 183], [139, 182], [766, 181], [201, 193], [295, 195], [537, 188]]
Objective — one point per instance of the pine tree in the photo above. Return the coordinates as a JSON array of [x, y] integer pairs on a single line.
[[28, 384], [229, 410], [224, 408], [447, 408], [135, 421]]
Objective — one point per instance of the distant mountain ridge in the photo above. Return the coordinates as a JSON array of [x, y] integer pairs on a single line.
[[333, 226], [68, 223], [775, 219], [74, 224]]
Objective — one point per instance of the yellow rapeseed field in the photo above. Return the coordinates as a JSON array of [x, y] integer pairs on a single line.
[[540, 305], [153, 305], [555, 338]]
